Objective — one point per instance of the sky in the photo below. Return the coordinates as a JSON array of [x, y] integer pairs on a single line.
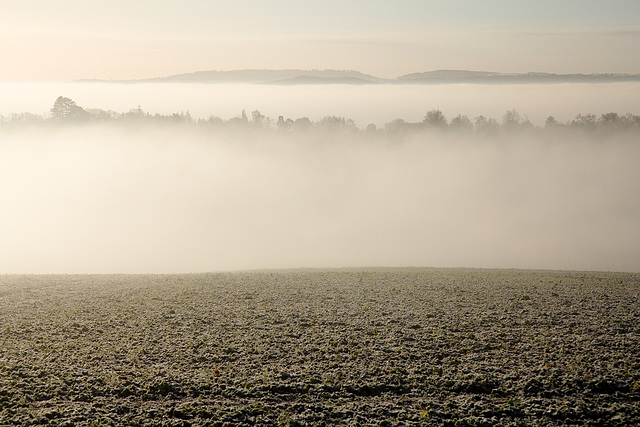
[[43, 40]]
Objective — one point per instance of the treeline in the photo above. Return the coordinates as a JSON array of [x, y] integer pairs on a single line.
[[65, 112]]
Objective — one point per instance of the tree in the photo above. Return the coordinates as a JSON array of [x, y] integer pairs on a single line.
[[241, 121], [486, 125], [66, 110], [301, 124], [435, 119], [610, 120], [632, 120], [100, 115], [135, 115], [336, 123], [511, 119], [551, 123], [283, 124], [258, 119], [461, 122], [395, 126], [586, 121]]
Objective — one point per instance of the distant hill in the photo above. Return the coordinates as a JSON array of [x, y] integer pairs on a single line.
[[464, 76], [444, 75], [272, 77], [307, 80], [293, 77]]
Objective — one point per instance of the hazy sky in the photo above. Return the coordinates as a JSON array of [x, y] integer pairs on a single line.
[[119, 39]]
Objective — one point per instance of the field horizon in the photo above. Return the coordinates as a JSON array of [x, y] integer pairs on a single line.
[[346, 269]]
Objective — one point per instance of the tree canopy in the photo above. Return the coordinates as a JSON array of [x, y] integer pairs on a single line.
[[66, 109]]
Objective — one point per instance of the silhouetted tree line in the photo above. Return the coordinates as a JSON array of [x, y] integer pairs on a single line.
[[65, 111]]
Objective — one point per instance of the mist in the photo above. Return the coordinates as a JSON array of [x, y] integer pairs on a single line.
[[174, 199]]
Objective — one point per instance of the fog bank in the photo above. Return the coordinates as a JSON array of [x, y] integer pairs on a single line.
[[108, 200]]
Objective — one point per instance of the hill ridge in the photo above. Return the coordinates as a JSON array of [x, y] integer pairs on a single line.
[[333, 76]]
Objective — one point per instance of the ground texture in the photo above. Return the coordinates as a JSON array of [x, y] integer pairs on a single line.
[[343, 347]]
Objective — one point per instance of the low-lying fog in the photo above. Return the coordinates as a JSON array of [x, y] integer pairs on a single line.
[[102, 199]]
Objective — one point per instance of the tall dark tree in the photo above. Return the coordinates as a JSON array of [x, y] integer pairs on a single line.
[[66, 109]]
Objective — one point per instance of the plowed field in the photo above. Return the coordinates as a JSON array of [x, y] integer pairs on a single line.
[[315, 347]]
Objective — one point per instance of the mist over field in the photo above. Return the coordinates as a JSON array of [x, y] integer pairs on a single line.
[[108, 199]]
